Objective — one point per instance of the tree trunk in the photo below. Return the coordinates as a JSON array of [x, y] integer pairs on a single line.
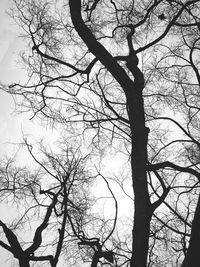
[[143, 211], [192, 258], [139, 133], [24, 262], [95, 259], [142, 217]]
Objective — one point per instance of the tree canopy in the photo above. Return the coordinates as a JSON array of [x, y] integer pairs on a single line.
[[120, 80]]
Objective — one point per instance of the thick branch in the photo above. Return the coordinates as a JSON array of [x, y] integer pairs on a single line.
[[4, 245], [96, 48], [13, 241], [168, 164], [37, 240]]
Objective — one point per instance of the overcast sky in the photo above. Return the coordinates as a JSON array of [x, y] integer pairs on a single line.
[[12, 125], [9, 129]]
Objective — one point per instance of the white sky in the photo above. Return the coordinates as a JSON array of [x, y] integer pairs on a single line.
[[12, 125], [9, 129]]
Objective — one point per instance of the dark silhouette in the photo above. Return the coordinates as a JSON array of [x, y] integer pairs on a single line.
[[119, 78]]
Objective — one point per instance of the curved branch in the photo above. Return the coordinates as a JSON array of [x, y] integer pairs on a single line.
[[168, 164], [169, 26], [60, 61], [96, 48], [177, 124], [37, 240], [116, 210]]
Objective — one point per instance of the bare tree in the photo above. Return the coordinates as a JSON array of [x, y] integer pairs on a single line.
[[55, 201], [125, 74]]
